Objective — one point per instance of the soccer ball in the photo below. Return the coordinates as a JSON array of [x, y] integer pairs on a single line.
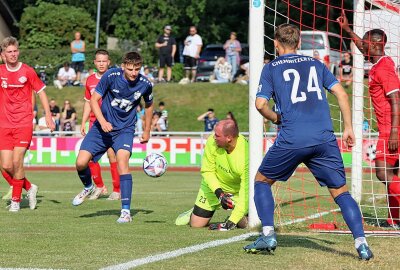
[[154, 165]]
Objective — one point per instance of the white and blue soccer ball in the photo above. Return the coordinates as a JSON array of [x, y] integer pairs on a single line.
[[154, 165]]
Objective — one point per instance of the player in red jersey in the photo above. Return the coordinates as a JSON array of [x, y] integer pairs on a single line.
[[384, 91], [101, 63], [18, 80]]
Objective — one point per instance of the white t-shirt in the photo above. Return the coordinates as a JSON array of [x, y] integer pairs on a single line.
[[66, 75], [192, 45], [161, 122]]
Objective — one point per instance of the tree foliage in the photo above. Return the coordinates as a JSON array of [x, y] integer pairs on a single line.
[[52, 26]]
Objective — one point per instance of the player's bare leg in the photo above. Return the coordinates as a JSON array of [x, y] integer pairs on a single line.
[[198, 222], [82, 167], [169, 74], [126, 185], [352, 216], [193, 79], [160, 74]]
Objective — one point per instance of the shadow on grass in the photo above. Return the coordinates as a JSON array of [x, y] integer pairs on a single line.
[[297, 200], [155, 221], [309, 243], [115, 212]]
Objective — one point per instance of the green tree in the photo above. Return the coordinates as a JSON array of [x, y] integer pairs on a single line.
[[52, 26]]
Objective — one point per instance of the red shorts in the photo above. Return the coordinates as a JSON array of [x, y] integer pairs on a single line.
[[15, 137], [383, 153]]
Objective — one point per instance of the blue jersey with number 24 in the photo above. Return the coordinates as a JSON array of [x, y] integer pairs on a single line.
[[296, 83], [121, 97]]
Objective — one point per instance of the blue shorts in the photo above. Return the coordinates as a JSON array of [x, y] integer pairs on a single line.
[[323, 160], [97, 141]]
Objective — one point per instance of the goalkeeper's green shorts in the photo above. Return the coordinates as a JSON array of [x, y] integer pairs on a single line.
[[207, 200]]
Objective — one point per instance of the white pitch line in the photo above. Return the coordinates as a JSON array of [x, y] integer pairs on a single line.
[[29, 269], [196, 248], [178, 252]]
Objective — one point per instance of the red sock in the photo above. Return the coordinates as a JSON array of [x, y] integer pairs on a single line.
[[7, 177], [27, 185], [17, 189], [115, 176], [96, 174], [394, 200]]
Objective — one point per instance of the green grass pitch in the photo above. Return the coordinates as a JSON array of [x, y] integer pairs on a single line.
[[57, 235]]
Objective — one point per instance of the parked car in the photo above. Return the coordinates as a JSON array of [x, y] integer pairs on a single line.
[[325, 45], [208, 58]]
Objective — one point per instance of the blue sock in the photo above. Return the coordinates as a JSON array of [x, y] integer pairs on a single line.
[[351, 214], [264, 203], [86, 177], [126, 190]]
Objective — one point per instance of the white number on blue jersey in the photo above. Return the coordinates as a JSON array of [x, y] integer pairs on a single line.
[[124, 104], [312, 85]]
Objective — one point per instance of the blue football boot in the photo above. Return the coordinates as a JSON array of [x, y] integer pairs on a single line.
[[262, 244], [364, 253]]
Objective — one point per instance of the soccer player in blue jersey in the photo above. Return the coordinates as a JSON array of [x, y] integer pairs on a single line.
[[121, 90], [306, 136]]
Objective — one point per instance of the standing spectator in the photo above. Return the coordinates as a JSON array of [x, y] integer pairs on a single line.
[[209, 120], [164, 112], [222, 71], [139, 118], [68, 117], [383, 87], [78, 49], [345, 69], [55, 113], [18, 81], [232, 52], [191, 53], [166, 45], [65, 76]]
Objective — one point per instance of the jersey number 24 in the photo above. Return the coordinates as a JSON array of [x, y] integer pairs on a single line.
[[312, 85]]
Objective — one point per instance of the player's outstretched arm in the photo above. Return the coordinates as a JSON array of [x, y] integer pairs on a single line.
[[266, 112], [343, 100], [344, 24], [94, 105], [148, 115], [45, 104], [85, 116]]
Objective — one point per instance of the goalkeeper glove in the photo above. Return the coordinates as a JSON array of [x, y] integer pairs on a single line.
[[225, 199], [224, 226]]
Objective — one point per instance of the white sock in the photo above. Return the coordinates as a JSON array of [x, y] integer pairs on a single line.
[[359, 241], [268, 230]]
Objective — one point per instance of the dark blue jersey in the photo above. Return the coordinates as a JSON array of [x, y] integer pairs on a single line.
[[296, 83], [209, 123], [120, 97]]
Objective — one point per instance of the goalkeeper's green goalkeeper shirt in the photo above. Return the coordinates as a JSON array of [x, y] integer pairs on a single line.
[[229, 172]]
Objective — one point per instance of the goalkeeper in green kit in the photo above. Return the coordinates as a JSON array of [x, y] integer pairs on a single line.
[[225, 183]]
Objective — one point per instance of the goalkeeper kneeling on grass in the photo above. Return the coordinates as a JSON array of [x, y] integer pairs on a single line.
[[225, 182]]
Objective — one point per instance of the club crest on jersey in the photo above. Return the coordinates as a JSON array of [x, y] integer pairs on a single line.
[[22, 79], [137, 95]]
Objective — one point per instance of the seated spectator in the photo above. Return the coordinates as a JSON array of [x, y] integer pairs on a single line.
[[42, 129], [222, 71], [65, 77], [147, 73], [209, 120], [243, 77], [68, 117], [55, 113], [164, 112], [139, 118], [157, 123]]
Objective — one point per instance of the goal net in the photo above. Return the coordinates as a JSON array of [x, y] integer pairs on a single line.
[[301, 201]]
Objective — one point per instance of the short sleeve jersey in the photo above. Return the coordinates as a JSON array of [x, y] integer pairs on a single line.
[[91, 84], [165, 50], [16, 95], [192, 44], [296, 83], [209, 123], [121, 97], [383, 81]]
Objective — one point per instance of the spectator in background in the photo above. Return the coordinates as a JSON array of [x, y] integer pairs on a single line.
[[345, 69], [42, 129], [158, 123], [147, 73], [55, 113], [78, 49], [65, 76], [222, 71], [139, 118], [164, 112], [166, 45], [68, 117], [232, 52], [230, 115], [35, 116], [191, 53], [209, 120], [86, 75]]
